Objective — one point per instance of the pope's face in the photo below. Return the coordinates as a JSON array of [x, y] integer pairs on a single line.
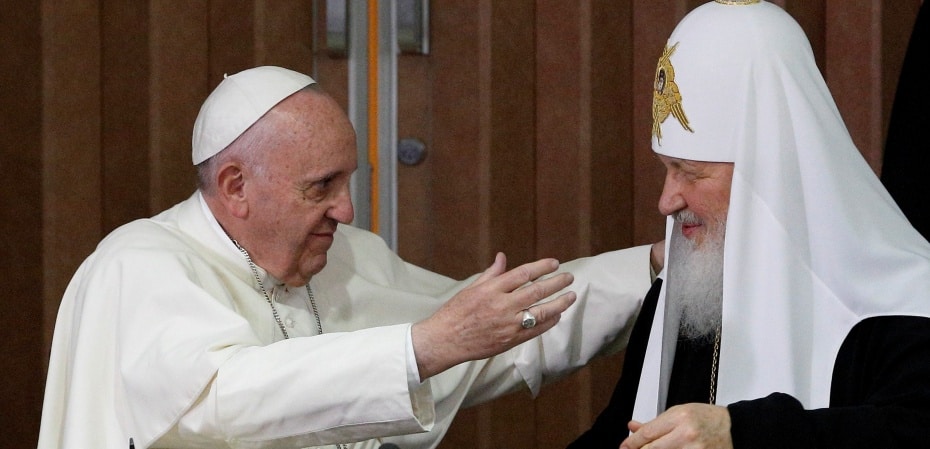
[[698, 193], [302, 194]]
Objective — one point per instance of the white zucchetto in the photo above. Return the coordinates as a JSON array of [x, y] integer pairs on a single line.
[[237, 103]]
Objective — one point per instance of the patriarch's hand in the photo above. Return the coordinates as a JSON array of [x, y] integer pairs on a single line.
[[686, 426]]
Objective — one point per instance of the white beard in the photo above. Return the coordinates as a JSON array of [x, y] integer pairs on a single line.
[[696, 278]]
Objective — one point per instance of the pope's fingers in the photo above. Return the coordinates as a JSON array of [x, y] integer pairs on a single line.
[[524, 274], [541, 289], [544, 312], [495, 269]]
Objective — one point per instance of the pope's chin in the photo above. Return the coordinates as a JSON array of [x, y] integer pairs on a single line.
[[306, 270], [317, 256]]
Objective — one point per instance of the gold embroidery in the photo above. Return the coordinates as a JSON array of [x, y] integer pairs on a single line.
[[665, 98], [737, 2]]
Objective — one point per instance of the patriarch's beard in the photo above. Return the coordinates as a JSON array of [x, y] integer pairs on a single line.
[[696, 277]]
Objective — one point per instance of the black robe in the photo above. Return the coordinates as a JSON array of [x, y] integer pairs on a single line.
[[907, 148], [880, 393]]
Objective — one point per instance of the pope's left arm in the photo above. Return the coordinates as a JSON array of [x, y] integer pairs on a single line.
[[609, 286]]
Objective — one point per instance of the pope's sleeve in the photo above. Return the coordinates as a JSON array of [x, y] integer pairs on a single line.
[[304, 392]]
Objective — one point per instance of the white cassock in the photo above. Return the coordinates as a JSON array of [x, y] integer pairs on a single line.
[[164, 336]]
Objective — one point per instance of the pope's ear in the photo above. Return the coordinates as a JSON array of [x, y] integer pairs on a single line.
[[230, 186]]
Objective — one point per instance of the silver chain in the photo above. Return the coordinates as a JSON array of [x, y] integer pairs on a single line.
[[311, 302]]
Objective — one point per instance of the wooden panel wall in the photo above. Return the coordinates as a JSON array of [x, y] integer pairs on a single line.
[[21, 271], [534, 113]]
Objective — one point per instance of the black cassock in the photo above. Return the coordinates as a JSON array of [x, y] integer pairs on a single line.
[[907, 148], [880, 394]]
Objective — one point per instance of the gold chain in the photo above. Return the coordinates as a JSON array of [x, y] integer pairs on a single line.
[[713, 367]]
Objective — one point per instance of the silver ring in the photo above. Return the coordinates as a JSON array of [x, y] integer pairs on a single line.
[[529, 321]]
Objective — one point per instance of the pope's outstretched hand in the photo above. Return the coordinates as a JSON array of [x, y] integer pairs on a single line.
[[486, 318]]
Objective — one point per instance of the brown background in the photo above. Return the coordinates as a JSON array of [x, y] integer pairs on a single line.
[[535, 114]]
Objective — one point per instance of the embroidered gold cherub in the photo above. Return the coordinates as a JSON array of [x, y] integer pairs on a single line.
[[666, 99]]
